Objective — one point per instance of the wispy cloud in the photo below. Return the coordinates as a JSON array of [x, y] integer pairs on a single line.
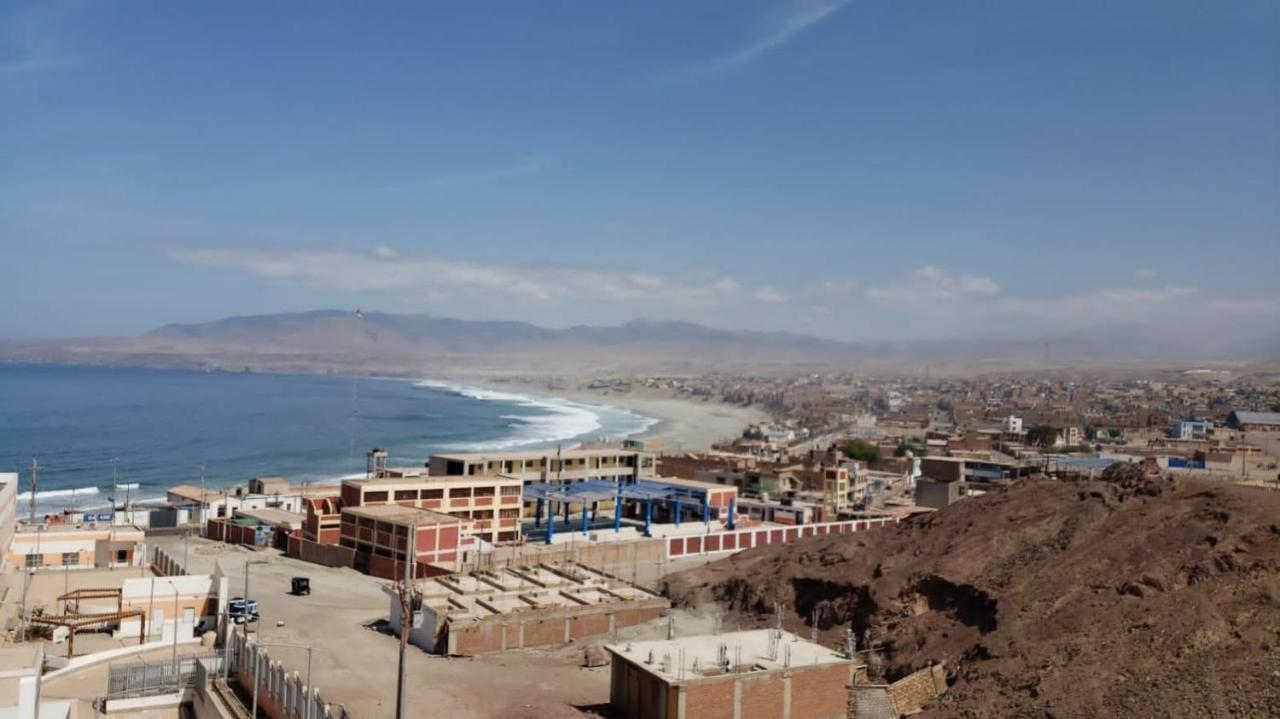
[[777, 29], [387, 271], [934, 299], [929, 288]]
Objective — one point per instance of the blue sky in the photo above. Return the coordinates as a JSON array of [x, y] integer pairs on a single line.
[[858, 170]]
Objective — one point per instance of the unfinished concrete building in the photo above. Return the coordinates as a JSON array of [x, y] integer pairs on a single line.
[[759, 673], [519, 608]]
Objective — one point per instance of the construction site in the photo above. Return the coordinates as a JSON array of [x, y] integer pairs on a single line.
[[523, 607]]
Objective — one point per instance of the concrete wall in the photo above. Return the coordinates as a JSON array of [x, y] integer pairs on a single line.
[[819, 692], [735, 541], [549, 627], [328, 555], [155, 597], [282, 694], [8, 512]]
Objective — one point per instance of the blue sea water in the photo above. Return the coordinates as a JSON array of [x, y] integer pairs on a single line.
[[159, 426]]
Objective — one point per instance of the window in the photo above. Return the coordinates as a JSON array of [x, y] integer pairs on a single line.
[[509, 513], [484, 491], [433, 494], [366, 523], [482, 514], [122, 556], [70, 559], [511, 491], [35, 560], [406, 494], [458, 492], [375, 496], [384, 527]]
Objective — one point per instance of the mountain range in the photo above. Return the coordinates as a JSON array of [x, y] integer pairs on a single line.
[[341, 340]]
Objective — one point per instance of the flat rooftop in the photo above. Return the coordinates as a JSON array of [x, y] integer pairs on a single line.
[[425, 480], [693, 484], [272, 515], [742, 652], [536, 454], [398, 514]]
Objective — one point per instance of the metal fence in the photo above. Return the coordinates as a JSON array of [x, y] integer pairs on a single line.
[[139, 678]]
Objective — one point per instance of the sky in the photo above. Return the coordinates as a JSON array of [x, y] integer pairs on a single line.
[[861, 170]]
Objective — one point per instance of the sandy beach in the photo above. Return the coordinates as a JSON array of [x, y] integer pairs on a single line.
[[683, 425]]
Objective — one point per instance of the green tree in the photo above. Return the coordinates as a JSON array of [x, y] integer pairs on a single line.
[[861, 449], [1042, 435]]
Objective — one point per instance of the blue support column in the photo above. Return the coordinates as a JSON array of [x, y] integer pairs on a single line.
[[617, 513], [733, 509], [706, 511], [678, 511], [566, 511], [537, 517], [551, 522], [584, 518], [648, 517]]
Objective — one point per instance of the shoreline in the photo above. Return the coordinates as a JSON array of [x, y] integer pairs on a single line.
[[676, 424], [682, 425]]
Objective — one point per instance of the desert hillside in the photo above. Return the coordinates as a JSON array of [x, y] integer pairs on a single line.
[[1136, 597]]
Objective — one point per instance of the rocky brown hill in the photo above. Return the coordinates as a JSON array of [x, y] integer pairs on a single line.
[[1135, 597]]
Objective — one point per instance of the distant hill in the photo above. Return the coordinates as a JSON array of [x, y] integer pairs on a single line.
[[336, 341]]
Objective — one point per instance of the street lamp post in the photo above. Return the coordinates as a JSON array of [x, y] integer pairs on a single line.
[[173, 585]]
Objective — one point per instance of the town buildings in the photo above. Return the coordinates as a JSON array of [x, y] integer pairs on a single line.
[[570, 465], [66, 545]]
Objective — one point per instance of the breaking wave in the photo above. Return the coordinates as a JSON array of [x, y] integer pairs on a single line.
[[557, 420]]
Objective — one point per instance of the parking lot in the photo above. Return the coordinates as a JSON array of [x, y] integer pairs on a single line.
[[356, 666]]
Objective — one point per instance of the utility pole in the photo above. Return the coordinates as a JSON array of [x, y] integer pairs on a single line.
[[359, 316], [204, 499], [176, 609], [115, 466], [407, 590], [35, 471]]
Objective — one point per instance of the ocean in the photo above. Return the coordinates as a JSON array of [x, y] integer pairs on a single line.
[[154, 428]]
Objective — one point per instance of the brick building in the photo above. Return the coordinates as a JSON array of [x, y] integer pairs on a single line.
[[379, 535], [572, 465], [522, 607], [490, 506], [742, 675]]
